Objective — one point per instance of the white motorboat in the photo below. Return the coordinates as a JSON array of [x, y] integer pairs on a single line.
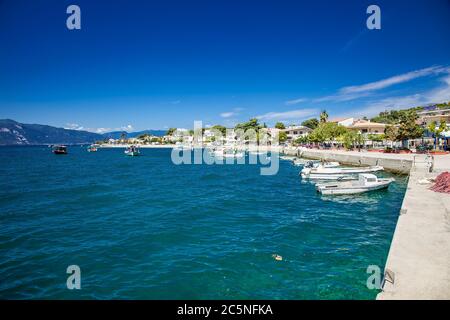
[[316, 163], [132, 151], [259, 153], [299, 162], [366, 182], [324, 164], [336, 173], [227, 153], [288, 158]]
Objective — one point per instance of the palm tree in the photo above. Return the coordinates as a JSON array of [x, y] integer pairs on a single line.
[[323, 116]]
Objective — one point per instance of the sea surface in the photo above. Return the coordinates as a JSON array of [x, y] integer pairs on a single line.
[[145, 228]]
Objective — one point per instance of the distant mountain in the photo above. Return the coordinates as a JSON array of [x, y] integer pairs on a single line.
[[117, 134], [15, 133]]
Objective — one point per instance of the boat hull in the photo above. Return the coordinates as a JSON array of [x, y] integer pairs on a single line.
[[338, 177], [336, 173], [338, 190]]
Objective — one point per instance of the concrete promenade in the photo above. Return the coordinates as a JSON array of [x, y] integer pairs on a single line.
[[418, 264]]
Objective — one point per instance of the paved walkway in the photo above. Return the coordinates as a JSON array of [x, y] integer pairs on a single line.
[[419, 257]]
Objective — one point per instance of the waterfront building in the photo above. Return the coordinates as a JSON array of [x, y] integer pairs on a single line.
[[295, 132], [367, 127]]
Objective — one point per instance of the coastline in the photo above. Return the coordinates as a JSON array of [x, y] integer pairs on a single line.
[[144, 146]]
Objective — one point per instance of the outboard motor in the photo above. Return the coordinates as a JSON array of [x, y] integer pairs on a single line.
[[309, 164]]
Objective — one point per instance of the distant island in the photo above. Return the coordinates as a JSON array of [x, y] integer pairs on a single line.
[[20, 134]]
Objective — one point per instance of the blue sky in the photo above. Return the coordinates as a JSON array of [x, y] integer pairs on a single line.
[[156, 64]]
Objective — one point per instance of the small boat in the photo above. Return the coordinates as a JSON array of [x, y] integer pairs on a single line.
[[59, 149], [132, 151], [227, 153], [288, 158], [322, 172], [315, 163], [92, 148], [299, 162], [324, 164], [366, 182], [259, 153]]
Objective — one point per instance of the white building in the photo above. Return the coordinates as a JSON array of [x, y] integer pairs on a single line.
[[295, 132], [346, 122]]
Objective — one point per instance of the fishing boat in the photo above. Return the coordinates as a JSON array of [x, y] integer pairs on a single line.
[[288, 158], [366, 182], [59, 149], [324, 164], [315, 163], [92, 148], [336, 173], [227, 153], [132, 151]]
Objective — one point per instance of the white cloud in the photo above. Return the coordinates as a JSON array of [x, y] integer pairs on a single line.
[[364, 90], [436, 95], [296, 101], [175, 102], [75, 126], [127, 128], [102, 130], [384, 83], [342, 97], [227, 114], [293, 114], [230, 114]]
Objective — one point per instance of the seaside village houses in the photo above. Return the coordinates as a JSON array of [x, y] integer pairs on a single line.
[[369, 129]]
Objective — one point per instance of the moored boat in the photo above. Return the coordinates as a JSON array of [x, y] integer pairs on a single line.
[[366, 182], [59, 149], [322, 172], [227, 153], [92, 148], [132, 151], [324, 164], [288, 158]]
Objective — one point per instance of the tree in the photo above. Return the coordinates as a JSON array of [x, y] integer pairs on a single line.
[[391, 133], [375, 137], [170, 131], [301, 139], [311, 123], [143, 136], [408, 128], [280, 125], [282, 136], [219, 128], [326, 131], [323, 116], [433, 128], [251, 124], [351, 138]]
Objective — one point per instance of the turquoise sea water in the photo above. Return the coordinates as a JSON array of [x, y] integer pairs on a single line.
[[144, 228]]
